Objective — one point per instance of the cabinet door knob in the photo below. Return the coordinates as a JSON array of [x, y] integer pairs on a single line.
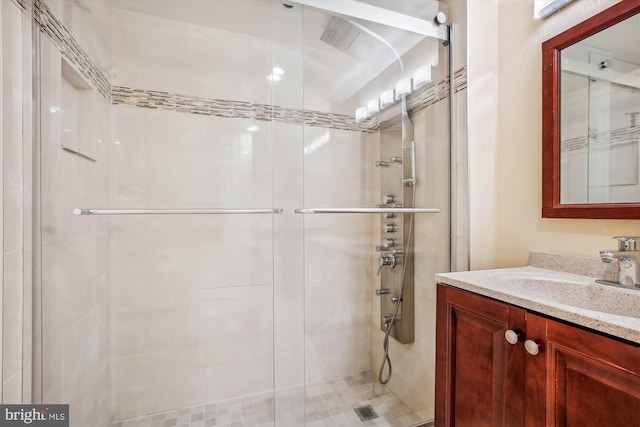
[[513, 336], [533, 347]]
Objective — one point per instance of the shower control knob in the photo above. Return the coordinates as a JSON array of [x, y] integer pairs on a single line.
[[382, 291], [389, 228], [387, 199], [389, 260], [388, 243]]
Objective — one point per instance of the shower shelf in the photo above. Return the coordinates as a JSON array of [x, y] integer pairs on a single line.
[[365, 210], [216, 211]]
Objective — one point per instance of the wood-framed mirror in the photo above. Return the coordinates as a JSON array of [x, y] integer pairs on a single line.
[[591, 117]]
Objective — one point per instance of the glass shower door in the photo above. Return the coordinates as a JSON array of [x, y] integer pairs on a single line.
[[287, 132], [181, 283], [376, 137], [164, 255]]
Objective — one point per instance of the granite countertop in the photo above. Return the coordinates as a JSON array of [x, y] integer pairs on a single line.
[[563, 294]]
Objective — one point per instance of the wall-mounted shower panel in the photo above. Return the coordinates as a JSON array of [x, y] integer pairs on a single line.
[[396, 246]]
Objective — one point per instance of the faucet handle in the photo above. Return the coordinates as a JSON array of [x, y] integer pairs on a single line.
[[627, 243], [389, 260]]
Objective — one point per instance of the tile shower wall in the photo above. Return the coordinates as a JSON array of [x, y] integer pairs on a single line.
[[191, 296], [15, 86], [414, 364], [191, 312], [168, 355], [338, 253], [75, 250], [191, 300]]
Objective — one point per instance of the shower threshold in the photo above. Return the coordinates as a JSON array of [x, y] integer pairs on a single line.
[[327, 403]]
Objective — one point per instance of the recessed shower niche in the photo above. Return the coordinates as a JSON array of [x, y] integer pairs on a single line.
[[75, 109]]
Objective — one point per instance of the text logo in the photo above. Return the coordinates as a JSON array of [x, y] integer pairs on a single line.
[[34, 415]]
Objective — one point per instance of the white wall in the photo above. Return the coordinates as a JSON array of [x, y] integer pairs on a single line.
[[504, 45]]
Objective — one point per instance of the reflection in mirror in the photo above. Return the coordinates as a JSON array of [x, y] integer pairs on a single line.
[[600, 117]]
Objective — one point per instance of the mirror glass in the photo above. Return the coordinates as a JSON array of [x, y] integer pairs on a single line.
[[600, 117]]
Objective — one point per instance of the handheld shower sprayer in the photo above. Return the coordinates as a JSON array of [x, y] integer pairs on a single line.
[[412, 179]]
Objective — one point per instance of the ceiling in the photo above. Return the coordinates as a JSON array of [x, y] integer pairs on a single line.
[[249, 17], [344, 73]]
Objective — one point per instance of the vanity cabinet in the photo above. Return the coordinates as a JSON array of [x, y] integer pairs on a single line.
[[578, 378], [479, 375]]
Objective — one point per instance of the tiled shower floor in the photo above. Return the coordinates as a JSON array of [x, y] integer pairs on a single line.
[[328, 403]]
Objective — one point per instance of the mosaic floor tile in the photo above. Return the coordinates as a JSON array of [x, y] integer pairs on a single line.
[[328, 403]]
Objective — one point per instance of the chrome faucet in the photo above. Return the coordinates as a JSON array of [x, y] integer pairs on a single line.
[[628, 258], [389, 259]]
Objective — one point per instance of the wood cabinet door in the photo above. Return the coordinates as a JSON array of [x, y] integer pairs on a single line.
[[479, 376], [586, 379]]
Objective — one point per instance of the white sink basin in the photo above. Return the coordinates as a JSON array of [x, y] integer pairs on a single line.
[[574, 291]]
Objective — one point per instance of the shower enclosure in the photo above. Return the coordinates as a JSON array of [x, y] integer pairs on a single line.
[[209, 206]]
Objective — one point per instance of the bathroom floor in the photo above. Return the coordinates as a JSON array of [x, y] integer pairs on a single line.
[[329, 403]]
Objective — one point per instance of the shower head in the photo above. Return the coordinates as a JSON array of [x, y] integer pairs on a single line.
[[346, 37], [358, 41]]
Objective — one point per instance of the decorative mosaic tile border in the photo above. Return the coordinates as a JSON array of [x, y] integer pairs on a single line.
[[235, 109], [22, 4], [238, 109], [69, 47], [619, 136], [430, 95]]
